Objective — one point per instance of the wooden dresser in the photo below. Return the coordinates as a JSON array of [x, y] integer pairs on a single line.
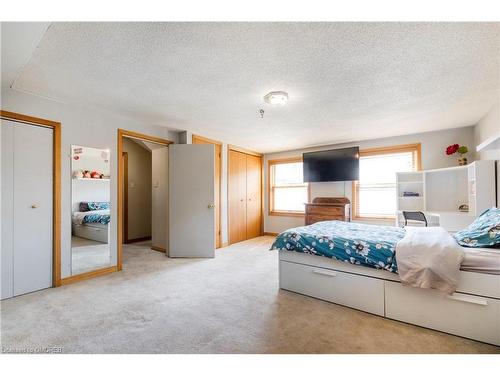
[[324, 208]]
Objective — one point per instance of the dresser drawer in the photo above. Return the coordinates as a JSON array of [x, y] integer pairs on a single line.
[[464, 315], [310, 219], [326, 210], [346, 289]]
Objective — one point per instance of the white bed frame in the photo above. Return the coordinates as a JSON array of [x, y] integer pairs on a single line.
[[472, 312], [92, 231]]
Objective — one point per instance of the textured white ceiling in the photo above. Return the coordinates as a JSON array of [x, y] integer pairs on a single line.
[[346, 81], [18, 41]]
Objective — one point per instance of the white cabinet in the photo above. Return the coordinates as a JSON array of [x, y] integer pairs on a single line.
[[26, 183]]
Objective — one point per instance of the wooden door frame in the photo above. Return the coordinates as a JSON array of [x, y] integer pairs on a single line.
[[195, 138], [122, 133], [125, 196], [253, 153], [56, 183]]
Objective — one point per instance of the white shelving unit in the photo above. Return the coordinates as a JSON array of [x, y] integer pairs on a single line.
[[411, 182], [442, 191]]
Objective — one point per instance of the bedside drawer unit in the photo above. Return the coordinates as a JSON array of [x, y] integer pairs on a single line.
[[324, 209]]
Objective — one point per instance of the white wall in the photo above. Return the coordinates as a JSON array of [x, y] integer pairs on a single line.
[[433, 156], [159, 226], [91, 159], [81, 126], [487, 127]]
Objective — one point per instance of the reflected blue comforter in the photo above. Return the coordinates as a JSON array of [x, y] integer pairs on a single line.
[[97, 218], [361, 244]]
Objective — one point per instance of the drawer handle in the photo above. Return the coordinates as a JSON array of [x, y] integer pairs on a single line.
[[325, 273], [469, 299]]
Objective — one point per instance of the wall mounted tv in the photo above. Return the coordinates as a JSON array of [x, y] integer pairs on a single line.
[[332, 165]]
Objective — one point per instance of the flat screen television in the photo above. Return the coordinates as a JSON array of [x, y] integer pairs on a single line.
[[332, 165]]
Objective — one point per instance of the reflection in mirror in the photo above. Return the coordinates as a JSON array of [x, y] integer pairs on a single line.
[[90, 209]]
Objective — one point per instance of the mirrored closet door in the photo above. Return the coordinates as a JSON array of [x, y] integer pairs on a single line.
[[90, 209]]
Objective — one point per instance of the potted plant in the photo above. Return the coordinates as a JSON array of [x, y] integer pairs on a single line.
[[461, 150]]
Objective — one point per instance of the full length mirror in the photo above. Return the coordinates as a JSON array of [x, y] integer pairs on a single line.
[[90, 209]]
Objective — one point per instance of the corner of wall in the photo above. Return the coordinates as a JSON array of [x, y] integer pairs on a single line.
[[185, 137]]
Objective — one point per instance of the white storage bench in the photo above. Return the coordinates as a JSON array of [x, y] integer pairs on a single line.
[[472, 312]]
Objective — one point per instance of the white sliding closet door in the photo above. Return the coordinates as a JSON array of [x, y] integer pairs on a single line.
[[26, 208]]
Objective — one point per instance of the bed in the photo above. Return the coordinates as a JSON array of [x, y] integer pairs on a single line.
[[369, 246], [360, 244], [356, 265], [92, 221]]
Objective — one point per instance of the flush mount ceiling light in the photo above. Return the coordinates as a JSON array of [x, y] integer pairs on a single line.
[[276, 97]]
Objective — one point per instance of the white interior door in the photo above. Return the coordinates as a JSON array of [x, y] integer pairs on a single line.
[[32, 208], [191, 201]]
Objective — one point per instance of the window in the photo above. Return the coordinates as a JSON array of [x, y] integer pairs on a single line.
[[374, 195], [287, 190]]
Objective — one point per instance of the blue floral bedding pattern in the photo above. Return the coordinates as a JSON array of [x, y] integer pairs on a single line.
[[483, 232], [93, 206], [97, 218], [361, 244]]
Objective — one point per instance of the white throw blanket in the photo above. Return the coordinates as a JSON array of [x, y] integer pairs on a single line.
[[429, 258]]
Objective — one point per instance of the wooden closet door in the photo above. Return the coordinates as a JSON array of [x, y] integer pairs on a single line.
[[237, 197], [254, 187]]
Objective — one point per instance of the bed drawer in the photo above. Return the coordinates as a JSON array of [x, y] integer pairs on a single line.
[[464, 315], [92, 232], [355, 291]]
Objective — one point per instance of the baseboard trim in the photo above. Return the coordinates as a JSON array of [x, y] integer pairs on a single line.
[[88, 275], [158, 248], [141, 239], [270, 234]]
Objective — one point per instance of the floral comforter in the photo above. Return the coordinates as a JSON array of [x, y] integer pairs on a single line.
[[361, 244], [95, 216]]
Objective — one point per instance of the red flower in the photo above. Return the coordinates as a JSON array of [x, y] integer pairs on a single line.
[[451, 149]]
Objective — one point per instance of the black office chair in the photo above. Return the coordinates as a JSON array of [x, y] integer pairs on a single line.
[[414, 216]]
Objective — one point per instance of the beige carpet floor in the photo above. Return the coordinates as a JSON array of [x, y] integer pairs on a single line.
[[230, 304]]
